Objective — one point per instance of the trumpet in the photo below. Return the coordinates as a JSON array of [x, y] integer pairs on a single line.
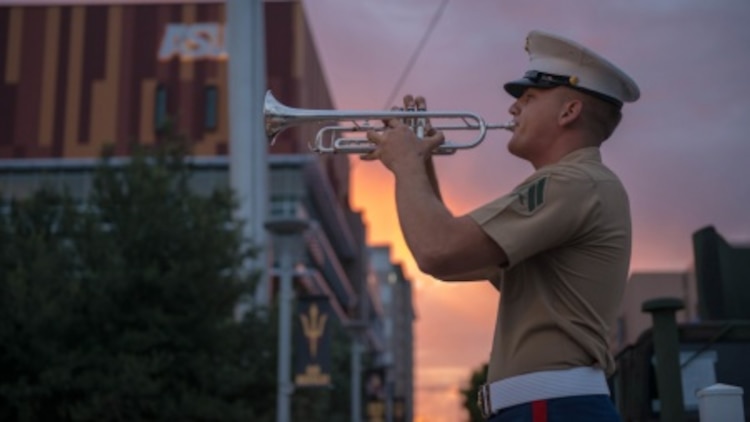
[[338, 138]]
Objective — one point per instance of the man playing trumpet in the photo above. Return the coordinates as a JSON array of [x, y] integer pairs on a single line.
[[557, 246]]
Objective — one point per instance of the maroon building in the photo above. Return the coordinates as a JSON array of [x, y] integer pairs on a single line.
[[77, 78]]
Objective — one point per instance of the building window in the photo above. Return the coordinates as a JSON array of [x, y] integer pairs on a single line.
[[211, 116], [160, 108]]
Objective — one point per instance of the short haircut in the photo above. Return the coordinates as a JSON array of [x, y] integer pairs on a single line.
[[599, 116]]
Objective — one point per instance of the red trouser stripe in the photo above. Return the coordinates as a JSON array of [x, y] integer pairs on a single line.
[[539, 411]]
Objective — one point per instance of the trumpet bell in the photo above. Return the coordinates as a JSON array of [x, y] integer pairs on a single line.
[[277, 116]]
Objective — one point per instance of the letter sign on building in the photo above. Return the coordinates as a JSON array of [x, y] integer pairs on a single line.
[[193, 42]]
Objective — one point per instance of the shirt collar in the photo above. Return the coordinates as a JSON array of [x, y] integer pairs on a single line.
[[583, 154]]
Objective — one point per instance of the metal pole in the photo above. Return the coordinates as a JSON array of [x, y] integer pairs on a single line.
[[667, 350], [248, 150], [287, 232], [356, 380], [286, 298]]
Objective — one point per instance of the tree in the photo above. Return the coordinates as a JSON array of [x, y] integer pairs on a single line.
[[119, 306], [476, 379]]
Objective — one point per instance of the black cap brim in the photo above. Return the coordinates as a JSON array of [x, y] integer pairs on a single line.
[[516, 88]]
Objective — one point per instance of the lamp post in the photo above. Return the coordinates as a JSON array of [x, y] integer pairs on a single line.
[[288, 244], [248, 151]]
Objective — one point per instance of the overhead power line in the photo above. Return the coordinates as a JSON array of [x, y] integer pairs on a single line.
[[416, 53]]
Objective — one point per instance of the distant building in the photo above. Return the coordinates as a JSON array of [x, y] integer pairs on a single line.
[[722, 271], [632, 322], [397, 359], [713, 288]]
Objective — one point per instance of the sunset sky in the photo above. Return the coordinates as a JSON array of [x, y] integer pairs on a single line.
[[682, 151]]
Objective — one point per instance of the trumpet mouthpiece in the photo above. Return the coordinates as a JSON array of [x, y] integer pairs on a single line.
[[507, 126]]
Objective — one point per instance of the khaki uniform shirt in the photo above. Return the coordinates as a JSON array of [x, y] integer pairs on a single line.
[[566, 231]]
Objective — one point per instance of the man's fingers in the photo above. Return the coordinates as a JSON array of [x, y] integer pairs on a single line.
[[433, 141], [429, 130], [421, 103], [374, 137], [370, 156], [393, 122], [409, 106], [409, 102]]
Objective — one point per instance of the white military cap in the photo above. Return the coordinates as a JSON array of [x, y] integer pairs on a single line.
[[556, 61]]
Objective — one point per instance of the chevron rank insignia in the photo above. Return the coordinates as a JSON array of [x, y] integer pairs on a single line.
[[530, 196]]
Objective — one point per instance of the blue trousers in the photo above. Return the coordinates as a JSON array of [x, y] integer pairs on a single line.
[[598, 408]]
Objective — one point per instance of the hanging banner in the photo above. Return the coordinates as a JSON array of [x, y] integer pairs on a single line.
[[312, 366]]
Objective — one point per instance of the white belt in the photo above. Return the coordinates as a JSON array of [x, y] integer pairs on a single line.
[[542, 385]]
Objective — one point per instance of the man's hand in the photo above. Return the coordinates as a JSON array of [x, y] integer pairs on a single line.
[[398, 146]]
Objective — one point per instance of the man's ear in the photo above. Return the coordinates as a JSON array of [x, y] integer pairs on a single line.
[[570, 111]]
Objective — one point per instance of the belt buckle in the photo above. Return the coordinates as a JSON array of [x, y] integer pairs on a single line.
[[483, 401]]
